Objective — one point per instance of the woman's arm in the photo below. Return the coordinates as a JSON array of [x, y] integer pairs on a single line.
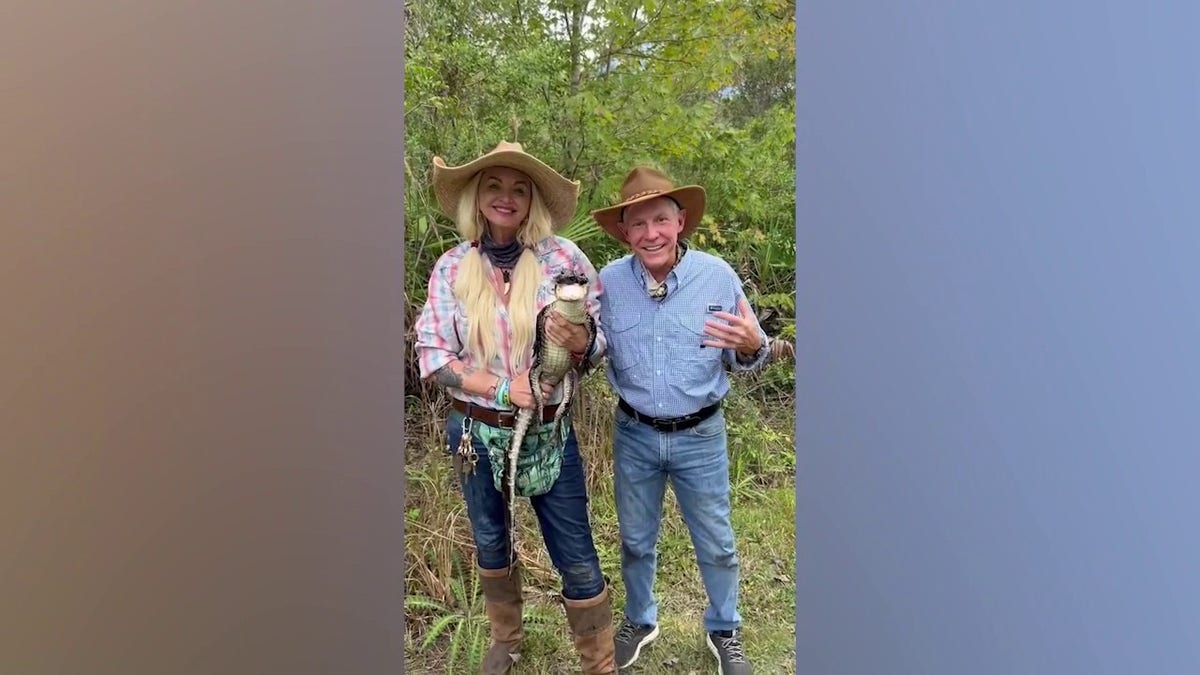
[[438, 346], [470, 379]]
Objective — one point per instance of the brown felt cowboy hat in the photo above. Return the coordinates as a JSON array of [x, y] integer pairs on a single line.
[[643, 184], [560, 195]]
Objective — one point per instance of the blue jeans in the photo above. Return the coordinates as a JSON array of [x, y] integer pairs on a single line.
[[697, 465], [562, 514]]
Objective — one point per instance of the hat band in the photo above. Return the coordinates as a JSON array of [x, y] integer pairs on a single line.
[[643, 193]]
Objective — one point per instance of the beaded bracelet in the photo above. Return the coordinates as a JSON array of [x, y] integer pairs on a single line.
[[502, 393]]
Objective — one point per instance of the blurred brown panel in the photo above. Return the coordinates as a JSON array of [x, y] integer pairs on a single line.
[[201, 396]]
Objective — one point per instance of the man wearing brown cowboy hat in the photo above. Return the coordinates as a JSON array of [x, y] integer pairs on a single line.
[[675, 319]]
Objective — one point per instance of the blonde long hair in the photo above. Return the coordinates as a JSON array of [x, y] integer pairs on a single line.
[[479, 297]]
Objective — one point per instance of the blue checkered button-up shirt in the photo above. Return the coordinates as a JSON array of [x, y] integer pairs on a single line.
[[655, 361]]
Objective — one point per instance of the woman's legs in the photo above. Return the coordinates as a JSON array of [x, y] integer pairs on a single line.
[[562, 514]]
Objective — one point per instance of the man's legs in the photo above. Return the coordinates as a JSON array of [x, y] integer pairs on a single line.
[[639, 483], [699, 469]]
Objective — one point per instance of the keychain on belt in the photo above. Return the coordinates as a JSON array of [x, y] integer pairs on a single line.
[[466, 449]]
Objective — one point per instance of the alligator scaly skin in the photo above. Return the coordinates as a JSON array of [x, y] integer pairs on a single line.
[[551, 364]]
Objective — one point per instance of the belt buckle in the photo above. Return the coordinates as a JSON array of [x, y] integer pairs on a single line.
[[505, 419], [671, 426]]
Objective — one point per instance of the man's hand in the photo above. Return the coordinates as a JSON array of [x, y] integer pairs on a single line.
[[566, 334], [740, 333]]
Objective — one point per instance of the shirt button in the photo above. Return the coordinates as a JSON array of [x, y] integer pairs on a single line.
[[659, 338], [658, 372]]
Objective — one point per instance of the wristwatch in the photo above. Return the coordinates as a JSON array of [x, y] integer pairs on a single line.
[[763, 346]]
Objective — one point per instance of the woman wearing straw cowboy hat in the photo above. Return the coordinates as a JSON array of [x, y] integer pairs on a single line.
[[674, 319], [475, 336]]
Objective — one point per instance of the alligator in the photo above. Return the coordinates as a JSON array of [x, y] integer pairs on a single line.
[[551, 364]]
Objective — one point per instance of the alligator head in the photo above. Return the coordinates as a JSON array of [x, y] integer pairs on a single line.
[[570, 287]]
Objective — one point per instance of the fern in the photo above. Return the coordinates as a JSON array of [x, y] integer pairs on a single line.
[[438, 627], [459, 593], [539, 616], [455, 643], [422, 603], [781, 301], [476, 644]]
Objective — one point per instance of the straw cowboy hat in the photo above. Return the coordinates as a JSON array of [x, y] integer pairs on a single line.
[[559, 194], [643, 184]]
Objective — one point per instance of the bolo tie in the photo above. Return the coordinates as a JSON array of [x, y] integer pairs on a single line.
[[658, 290]]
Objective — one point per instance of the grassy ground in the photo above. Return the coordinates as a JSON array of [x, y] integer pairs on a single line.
[[447, 628]]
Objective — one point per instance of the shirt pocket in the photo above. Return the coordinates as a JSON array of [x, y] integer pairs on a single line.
[[624, 341], [687, 337], [694, 368]]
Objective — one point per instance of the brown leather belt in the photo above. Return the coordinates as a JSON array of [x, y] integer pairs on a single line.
[[501, 419]]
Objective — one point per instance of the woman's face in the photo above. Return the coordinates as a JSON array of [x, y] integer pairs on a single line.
[[504, 196]]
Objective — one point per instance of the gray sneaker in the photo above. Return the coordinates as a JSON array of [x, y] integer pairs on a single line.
[[630, 639], [726, 645]]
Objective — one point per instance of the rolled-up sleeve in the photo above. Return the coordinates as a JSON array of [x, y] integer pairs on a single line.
[[437, 340]]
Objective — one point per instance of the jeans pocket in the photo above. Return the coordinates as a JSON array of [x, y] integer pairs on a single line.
[[622, 420], [712, 427]]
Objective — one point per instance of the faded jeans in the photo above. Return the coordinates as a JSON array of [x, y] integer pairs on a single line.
[[696, 463]]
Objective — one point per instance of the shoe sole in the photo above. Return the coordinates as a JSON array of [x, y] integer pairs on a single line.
[[637, 651], [713, 648]]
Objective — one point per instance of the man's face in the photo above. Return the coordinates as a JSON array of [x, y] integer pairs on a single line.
[[652, 230]]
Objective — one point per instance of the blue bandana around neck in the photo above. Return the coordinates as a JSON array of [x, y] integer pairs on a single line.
[[503, 256]]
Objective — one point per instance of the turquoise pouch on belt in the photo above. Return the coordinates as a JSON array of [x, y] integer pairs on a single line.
[[539, 461]]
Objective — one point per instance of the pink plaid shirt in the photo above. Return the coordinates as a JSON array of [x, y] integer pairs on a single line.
[[442, 326]]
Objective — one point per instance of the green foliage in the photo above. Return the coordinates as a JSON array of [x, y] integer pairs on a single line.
[[702, 90], [458, 629], [462, 623], [593, 87]]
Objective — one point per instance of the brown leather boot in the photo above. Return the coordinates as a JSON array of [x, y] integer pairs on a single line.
[[591, 626], [502, 600]]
